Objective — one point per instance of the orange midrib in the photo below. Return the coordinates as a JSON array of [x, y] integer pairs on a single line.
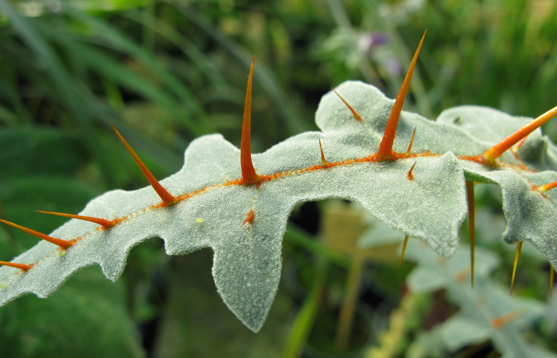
[[270, 177]]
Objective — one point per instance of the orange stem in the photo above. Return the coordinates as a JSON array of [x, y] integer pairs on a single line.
[[249, 175], [62, 243], [498, 149], [103, 222], [385, 151], [166, 197], [22, 267]]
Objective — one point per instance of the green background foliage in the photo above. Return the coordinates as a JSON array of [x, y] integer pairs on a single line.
[[166, 72]]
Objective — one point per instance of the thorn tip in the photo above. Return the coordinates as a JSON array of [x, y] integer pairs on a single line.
[[385, 151], [167, 198], [498, 149], [249, 176], [516, 256], [411, 142], [103, 222], [64, 244], [323, 160], [551, 279], [403, 250], [354, 113], [410, 175]]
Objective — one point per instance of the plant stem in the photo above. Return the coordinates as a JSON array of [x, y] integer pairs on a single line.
[[305, 318], [347, 309]]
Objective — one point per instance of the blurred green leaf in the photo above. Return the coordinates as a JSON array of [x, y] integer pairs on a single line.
[[87, 318]]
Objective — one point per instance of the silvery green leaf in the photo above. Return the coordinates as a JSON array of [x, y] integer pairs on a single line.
[[214, 206]]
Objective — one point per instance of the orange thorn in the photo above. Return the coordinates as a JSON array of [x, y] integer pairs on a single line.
[[64, 244], [354, 113], [323, 160], [507, 318], [411, 141], [249, 218], [471, 225], [542, 189], [498, 149], [249, 176], [103, 222], [385, 151], [403, 250], [551, 279], [22, 267], [410, 175], [517, 147], [167, 198], [516, 256]]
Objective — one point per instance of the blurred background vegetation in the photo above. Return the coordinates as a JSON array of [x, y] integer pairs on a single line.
[[166, 72]]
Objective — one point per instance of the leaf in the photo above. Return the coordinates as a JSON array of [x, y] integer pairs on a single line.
[[244, 224], [487, 311]]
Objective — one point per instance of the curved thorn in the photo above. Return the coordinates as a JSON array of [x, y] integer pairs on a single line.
[[102, 222], [471, 225], [403, 250], [354, 113], [386, 146], [410, 175], [167, 198], [498, 149], [22, 267], [323, 160], [62, 243], [516, 256], [411, 142]]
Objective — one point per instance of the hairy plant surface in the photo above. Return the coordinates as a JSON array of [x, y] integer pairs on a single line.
[[238, 204]]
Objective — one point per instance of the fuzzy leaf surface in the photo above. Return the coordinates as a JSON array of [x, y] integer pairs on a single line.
[[214, 208]]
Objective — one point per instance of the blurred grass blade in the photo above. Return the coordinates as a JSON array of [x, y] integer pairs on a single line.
[[188, 48], [73, 97], [121, 43], [295, 123]]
